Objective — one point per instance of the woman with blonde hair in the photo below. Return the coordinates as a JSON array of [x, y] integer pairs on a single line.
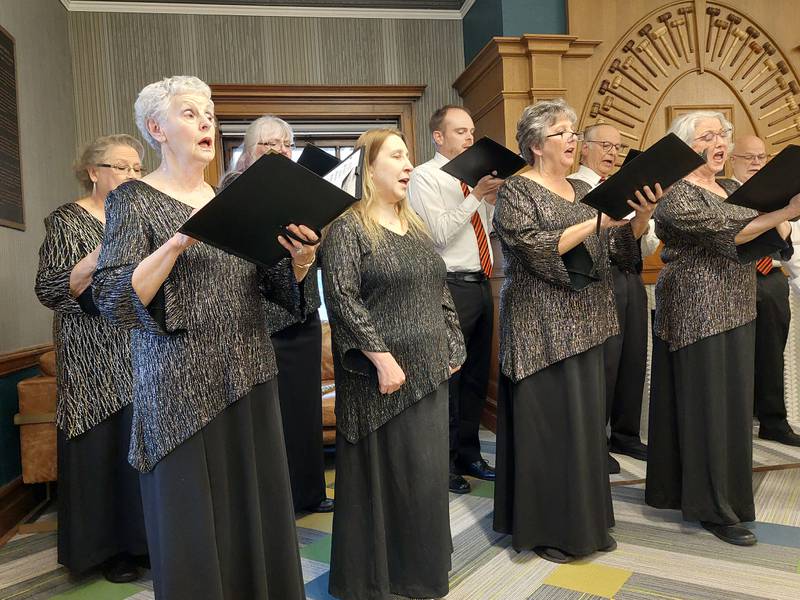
[[99, 506], [396, 341]]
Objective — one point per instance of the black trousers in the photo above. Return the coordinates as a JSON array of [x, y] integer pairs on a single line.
[[298, 352], [468, 386], [772, 330], [626, 359]]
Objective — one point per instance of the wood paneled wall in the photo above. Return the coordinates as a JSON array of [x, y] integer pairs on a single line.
[[115, 55], [667, 74]]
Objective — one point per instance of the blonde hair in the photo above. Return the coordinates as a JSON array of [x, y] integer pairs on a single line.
[[370, 143], [95, 151]]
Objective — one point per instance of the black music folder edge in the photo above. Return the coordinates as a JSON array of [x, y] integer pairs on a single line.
[[665, 162], [316, 160], [773, 186], [246, 217], [481, 159]]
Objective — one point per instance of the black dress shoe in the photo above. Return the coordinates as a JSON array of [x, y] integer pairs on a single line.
[[613, 465], [121, 569], [733, 534], [790, 438], [635, 450], [553, 554], [459, 485], [325, 506], [479, 469]]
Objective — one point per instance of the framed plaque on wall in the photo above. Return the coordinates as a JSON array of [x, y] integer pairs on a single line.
[[12, 212]]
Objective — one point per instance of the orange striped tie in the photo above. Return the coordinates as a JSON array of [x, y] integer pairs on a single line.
[[764, 266], [480, 234]]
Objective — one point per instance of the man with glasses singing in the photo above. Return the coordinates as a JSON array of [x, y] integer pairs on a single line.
[[772, 312], [625, 353]]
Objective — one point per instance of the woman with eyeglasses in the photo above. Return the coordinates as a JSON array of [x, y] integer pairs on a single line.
[[298, 346], [552, 491], [701, 390], [206, 433], [100, 518]]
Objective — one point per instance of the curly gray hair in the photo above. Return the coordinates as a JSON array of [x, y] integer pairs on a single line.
[[685, 126], [153, 101], [533, 124]]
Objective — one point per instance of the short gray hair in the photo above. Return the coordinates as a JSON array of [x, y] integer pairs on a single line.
[[95, 151], [153, 101], [255, 131], [684, 126], [534, 122]]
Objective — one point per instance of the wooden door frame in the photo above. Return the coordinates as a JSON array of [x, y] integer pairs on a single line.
[[292, 102]]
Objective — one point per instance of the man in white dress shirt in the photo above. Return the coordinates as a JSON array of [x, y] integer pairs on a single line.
[[772, 313], [460, 222], [625, 353]]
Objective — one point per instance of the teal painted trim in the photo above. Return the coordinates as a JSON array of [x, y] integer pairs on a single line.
[[534, 16], [483, 22], [489, 18], [10, 462]]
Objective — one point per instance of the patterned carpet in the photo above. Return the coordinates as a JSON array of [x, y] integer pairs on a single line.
[[659, 556]]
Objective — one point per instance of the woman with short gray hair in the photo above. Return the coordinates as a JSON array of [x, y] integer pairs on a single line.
[[552, 491], [298, 346], [701, 391], [206, 433], [100, 519]]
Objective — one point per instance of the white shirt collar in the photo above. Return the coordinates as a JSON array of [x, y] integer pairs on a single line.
[[586, 174]]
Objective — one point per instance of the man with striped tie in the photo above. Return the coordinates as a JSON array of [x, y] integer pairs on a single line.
[[460, 219], [625, 354], [772, 313]]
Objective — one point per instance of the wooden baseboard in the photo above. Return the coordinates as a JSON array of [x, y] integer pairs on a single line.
[[17, 500], [11, 362]]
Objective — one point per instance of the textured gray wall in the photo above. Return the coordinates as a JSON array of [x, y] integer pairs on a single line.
[[47, 140], [115, 55]]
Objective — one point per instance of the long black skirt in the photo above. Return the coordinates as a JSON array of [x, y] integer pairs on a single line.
[[298, 351], [218, 510], [552, 485], [700, 454], [391, 526], [99, 503]]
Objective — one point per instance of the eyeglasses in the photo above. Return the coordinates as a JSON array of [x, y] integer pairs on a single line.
[[752, 157], [607, 146], [711, 135], [277, 144], [567, 136], [121, 168]]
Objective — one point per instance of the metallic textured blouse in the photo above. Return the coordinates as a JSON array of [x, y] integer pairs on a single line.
[[278, 318], [705, 286], [93, 369], [389, 296], [542, 318], [203, 342]]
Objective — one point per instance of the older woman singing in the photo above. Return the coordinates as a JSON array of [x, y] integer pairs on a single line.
[[701, 391], [552, 492], [206, 426]]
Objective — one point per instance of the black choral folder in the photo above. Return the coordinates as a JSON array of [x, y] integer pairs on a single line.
[[246, 217], [482, 158], [774, 185], [665, 162], [632, 153], [316, 160]]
